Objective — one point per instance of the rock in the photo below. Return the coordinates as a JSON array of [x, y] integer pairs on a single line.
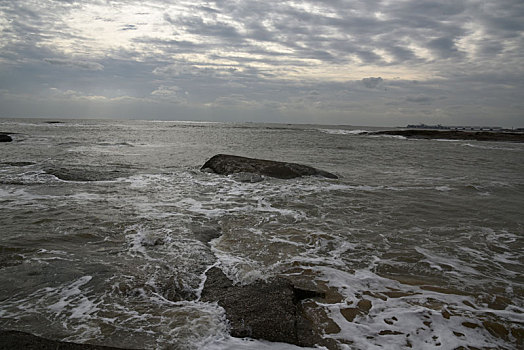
[[19, 340], [207, 234], [454, 135], [17, 163], [228, 164], [364, 305], [350, 313], [264, 310], [84, 174], [5, 138], [496, 329]]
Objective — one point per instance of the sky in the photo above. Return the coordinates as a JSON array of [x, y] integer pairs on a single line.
[[373, 62]]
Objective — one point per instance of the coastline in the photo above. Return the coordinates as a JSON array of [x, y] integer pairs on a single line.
[[454, 135]]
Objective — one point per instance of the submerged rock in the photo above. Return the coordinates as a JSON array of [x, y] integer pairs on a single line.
[[19, 340], [225, 164], [264, 310], [80, 174]]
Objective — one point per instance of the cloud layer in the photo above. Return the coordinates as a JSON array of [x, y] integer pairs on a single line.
[[333, 61]]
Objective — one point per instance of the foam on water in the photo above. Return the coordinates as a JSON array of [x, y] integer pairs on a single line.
[[407, 316], [343, 131]]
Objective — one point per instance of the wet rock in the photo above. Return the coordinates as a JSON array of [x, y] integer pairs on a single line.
[[398, 294], [446, 314], [496, 329], [389, 332], [5, 138], [364, 305], [350, 313], [318, 316], [518, 334], [19, 340], [17, 163], [499, 303], [81, 174], [375, 295], [228, 164], [263, 310], [470, 325], [454, 135], [207, 234]]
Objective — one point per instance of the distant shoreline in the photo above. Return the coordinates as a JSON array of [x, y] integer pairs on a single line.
[[454, 135]]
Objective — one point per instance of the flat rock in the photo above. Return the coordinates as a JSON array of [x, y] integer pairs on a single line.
[[454, 135], [264, 310], [225, 164], [84, 174], [10, 340]]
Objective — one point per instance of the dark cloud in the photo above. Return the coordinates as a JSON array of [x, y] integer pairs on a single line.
[[444, 47]]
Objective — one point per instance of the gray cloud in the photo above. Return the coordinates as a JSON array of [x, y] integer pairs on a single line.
[[422, 99], [316, 55], [371, 82], [72, 63], [444, 47]]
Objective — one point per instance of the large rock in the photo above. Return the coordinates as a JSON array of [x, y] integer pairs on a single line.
[[225, 164], [10, 340], [264, 310], [5, 138]]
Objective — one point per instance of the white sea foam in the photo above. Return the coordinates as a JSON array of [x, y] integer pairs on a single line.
[[414, 319], [447, 140], [342, 131], [436, 261], [230, 343], [399, 137]]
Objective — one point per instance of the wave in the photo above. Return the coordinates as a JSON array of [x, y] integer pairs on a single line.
[[492, 147], [343, 131]]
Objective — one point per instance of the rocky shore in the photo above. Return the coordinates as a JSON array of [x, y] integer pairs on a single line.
[[454, 135], [225, 164], [10, 340]]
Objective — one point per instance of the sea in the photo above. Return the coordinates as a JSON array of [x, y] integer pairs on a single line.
[[107, 228]]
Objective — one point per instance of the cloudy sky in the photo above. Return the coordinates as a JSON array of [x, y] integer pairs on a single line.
[[372, 62]]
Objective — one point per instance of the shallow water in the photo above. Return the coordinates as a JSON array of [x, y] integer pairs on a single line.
[[104, 228]]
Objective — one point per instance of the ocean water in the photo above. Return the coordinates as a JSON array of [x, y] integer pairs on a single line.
[[103, 227]]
